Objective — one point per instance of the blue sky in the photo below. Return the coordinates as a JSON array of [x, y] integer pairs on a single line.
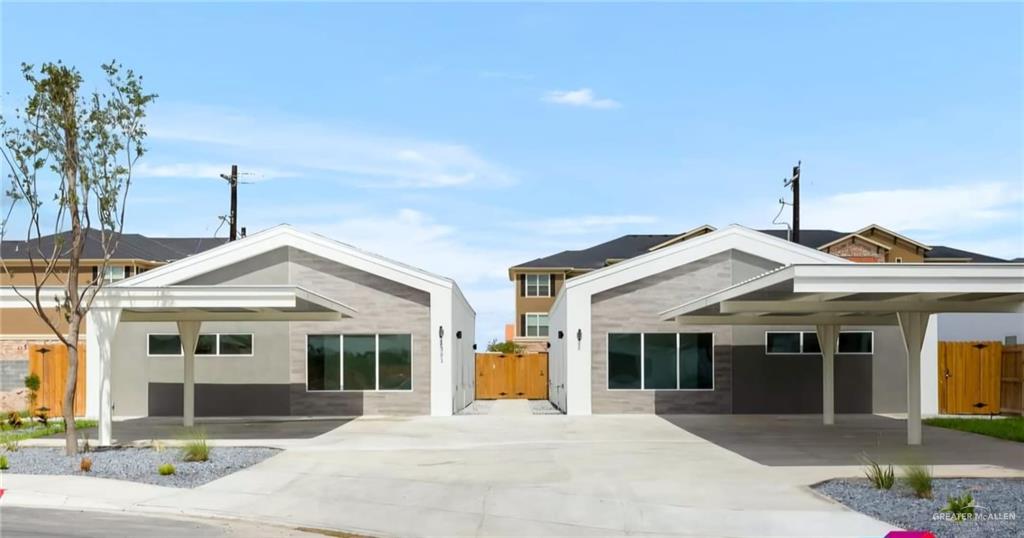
[[467, 138]]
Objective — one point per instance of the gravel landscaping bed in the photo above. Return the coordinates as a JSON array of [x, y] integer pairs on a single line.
[[999, 501], [138, 464]]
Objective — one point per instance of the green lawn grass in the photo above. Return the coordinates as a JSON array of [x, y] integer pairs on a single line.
[[1011, 428], [34, 429]]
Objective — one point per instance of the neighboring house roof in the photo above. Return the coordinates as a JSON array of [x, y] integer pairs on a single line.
[[857, 237], [129, 246], [940, 252], [630, 246], [894, 234]]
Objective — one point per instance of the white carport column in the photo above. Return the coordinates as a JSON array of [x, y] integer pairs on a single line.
[[101, 327], [189, 333], [827, 337], [913, 326]]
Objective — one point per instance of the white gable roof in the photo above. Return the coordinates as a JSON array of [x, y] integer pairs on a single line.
[[286, 236], [735, 237]]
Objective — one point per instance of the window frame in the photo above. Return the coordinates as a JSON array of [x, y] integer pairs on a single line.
[[537, 276], [643, 368], [111, 268], [376, 363], [252, 337], [802, 352], [526, 328], [800, 338]]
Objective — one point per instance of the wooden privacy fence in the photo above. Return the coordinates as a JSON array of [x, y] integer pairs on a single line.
[[50, 363], [1012, 380], [969, 377], [507, 376]]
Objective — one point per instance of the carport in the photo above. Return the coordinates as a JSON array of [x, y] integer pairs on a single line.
[[830, 296], [189, 307]]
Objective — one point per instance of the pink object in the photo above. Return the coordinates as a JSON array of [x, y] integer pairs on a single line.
[[909, 534]]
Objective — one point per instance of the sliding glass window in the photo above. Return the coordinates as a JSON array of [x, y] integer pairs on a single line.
[[359, 362], [395, 361], [360, 370], [323, 362], [696, 361], [624, 355], [661, 361]]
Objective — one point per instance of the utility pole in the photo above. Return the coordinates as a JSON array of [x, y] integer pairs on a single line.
[[233, 217], [794, 183]]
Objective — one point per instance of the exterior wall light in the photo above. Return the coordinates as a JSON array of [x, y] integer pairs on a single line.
[[561, 335], [458, 334]]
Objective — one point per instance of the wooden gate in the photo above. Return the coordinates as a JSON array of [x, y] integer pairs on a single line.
[[1011, 394], [50, 363], [969, 377], [500, 376]]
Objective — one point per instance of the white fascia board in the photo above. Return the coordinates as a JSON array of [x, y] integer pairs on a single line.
[[286, 236], [734, 237], [770, 278], [248, 297], [910, 278], [9, 298]]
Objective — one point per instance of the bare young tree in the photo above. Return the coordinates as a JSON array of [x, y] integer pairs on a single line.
[[69, 159]]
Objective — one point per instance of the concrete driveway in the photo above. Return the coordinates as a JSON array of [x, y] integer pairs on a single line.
[[516, 476]]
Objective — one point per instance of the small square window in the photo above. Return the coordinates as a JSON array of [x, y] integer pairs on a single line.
[[536, 325], [538, 285], [235, 344], [782, 342], [113, 273]]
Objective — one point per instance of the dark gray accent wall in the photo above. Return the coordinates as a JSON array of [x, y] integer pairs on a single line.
[[717, 401], [325, 404], [220, 400], [783, 384]]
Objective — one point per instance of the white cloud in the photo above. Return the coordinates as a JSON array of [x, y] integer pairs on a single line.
[[205, 171], [584, 224], [952, 207], [314, 149], [583, 97]]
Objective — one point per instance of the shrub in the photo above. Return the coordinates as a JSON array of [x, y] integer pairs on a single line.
[[32, 384], [919, 479], [880, 478], [3, 462], [960, 507], [509, 347], [14, 419], [165, 469], [85, 465], [11, 445], [43, 416], [195, 448]]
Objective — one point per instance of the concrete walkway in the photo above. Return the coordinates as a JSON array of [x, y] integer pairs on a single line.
[[497, 475]]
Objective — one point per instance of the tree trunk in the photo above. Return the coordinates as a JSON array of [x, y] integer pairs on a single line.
[[70, 387]]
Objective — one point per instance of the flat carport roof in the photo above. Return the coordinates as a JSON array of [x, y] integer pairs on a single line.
[[188, 306], [829, 296]]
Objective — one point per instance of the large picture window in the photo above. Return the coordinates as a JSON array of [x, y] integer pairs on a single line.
[[661, 361], [538, 285], [358, 362], [209, 345], [806, 343]]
